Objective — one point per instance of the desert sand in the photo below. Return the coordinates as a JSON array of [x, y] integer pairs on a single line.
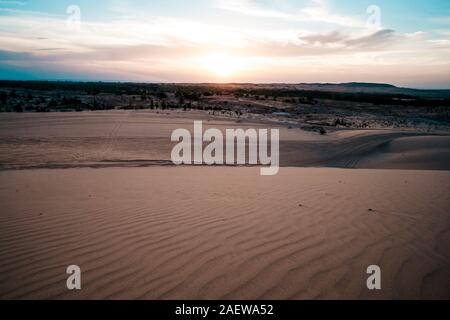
[[97, 190], [214, 233], [142, 138]]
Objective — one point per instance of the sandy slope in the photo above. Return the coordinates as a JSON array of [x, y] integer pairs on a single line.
[[198, 232], [124, 138], [218, 232], [421, 152]]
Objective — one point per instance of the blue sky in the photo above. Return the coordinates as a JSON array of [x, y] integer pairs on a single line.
[[403, 42]]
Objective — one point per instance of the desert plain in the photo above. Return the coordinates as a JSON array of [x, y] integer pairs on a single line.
[[98, 190]]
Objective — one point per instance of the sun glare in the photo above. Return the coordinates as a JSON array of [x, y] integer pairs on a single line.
[[223, 65]]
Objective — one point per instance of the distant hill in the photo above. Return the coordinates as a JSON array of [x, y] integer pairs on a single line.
[[365, 87], [351, 85], [349, 88]]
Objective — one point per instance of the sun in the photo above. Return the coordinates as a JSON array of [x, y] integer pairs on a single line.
[[222, 64]]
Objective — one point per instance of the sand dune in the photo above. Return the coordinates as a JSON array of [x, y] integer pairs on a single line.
[[197, 232], [164, 232], [420, 152], [124, 138]]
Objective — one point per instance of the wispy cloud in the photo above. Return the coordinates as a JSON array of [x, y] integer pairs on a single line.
[[317, 11], [373, 40]]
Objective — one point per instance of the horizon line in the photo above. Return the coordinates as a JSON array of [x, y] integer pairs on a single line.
[[228, 83]]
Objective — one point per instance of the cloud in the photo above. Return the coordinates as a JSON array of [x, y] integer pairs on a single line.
[[316, 11], [323, 39], [251, 8], [377, 39], [319, 11], [336, 39], [170, 38], [163, 48], [443, 32]]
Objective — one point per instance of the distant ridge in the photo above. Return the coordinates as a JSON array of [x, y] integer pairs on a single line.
[[368, 85], [350, 84], [344, 88], [378, 88]]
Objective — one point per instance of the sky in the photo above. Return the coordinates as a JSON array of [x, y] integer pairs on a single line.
[[402, 42]]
